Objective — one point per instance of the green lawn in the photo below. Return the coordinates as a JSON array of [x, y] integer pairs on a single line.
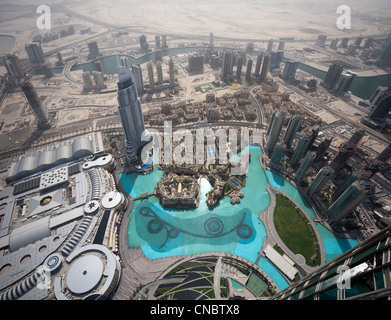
[[295, 230]]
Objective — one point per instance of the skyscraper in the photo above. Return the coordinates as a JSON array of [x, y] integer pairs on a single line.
[[385, 155], [349, 200], [361, 273], [211, 40], [276, 59], [278, 153], [270, 45], [35, 54], [258, 65], [383, 107], [14, 67], [300, 148], [164, 41], [332, 76], [321, 40], [157, 42], [376, 97], [36, 105], [159, 72], [322, 148], [305, 166], [343, 155], [239, 68], [275, 131], [171, 72], [346, 183], [196, 64], [93, 50], [150, 77], [384, 58], [357, 136], [293, 126], [346, 82], [248, 70], [265, 68], [225, 66], [130, 112], [290, 69], [143, 43], [320, 180], [138, 76]]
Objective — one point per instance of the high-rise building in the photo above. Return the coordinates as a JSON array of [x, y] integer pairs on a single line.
[[384, 58], [358, 41], [35, 54], [265, 68], [290, 69], [98, 79], [138, 76], [332, 76], [320, 180], [346, 183], [171, 72], [157, 42], [225, 66], [130, 112], [239, 67], [361, 273], [150, 77], [343, 155], [345, 83], [300, 148], [248, 70], [305, 166], [144, 47], [159, 72], [14, 67], [258, 65], [376, 97], [36, 105], [383, 107], [270, 45], [124, 62], [211, 44], [281, 45], [321, 40], [357, 136], [276, 59], [93, 50], [344, 43], [278, 153], [274, 133], [353, 196], [322, 148], [333, 44], [196, 64], [293, 126], [385, 155], [164, 41], [314, 134]]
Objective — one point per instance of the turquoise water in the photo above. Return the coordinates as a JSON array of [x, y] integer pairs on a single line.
[[333, 246], [192, 238]]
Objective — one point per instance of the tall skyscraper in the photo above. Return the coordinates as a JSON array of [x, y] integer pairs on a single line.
[[361, 273], [290, 69], [248, 70], [196, 64], [293, 126], [332, 76], [357, 136], [346, 183], [320, 180], [384, 58], [281, 45], [159, 72], [343, 155], [275, 131], [383, 107], [344, 43], [130, 112], [14, 67], [322, 148], [258, 65], [321, 40], [171, 72], [276, 59], [278, 152], [333, 44], [164, 41], [138, 76], [300, 148], [265, 68], [349, 200], [314, 134], [93, 50], [157, 42], [239, 67], [376, 97], [124, 62], [225, 66], [35, 54], [385, 155], [270, 45], [346, 82], [150, 77], [305, 166], [36, 105], [211, 38], [144, 47]]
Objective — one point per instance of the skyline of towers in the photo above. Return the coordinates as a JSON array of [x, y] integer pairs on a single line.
[[129, 108], [35, 103]]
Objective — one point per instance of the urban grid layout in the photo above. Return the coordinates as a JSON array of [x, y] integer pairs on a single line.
[[195, 150]]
